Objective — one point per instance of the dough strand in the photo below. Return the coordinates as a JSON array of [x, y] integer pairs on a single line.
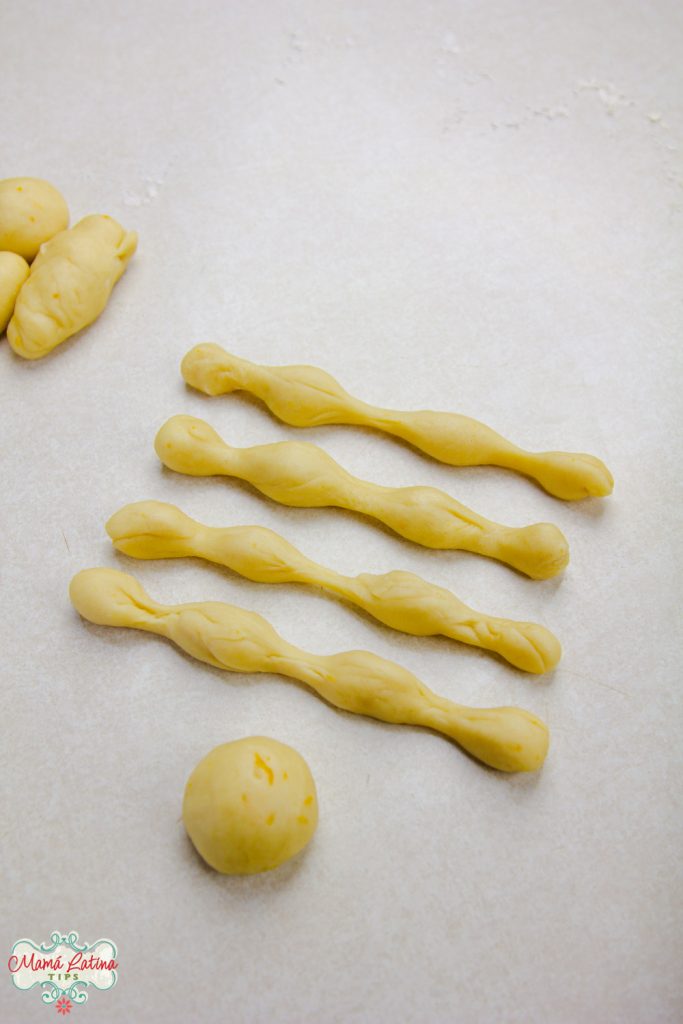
[[304, 476], [305, 396], [507, 738], [401, 600]]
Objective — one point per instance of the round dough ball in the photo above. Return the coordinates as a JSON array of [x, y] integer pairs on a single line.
[[250, 805], [31, 212], [13, 272]]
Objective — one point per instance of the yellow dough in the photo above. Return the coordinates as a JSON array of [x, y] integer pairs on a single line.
[[225, 636], [250, 805], [31, 212], [303, 475], [13, 272], [153, 529], [69, 284], [305, 396]]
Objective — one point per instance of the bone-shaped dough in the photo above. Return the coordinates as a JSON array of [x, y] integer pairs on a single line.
[[224, 636], [303, 475], [69, 285], [153, 529], [305, 396]]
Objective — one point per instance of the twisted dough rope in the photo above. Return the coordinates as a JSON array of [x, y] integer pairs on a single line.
[[224, 636], [154, 529], [305, 396], [303, 475]]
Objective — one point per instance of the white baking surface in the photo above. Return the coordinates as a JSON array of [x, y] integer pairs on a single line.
[[467, 206]]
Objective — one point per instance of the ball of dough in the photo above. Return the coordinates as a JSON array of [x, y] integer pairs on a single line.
[[13, 272], [31, 212], [250, 805]]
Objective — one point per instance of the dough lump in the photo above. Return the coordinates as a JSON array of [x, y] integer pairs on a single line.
[[250, 805], [69, 284], [31, 212], [13, 272]]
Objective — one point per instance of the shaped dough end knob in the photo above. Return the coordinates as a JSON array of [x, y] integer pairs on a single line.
[[574, 476], [205, 367], [509, 739], [540, 550], [150, 529], [188, 445], [532, 647], [108, 597]]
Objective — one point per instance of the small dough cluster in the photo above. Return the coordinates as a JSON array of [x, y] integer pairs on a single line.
[[250, 805], [72, 272]]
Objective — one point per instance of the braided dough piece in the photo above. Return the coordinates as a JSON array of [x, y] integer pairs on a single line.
[[508, 738], [401, 600], [305, 396], [304, 476], [69, 285]]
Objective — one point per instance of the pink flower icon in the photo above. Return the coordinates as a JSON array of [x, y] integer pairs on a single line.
[[63, 1006]]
